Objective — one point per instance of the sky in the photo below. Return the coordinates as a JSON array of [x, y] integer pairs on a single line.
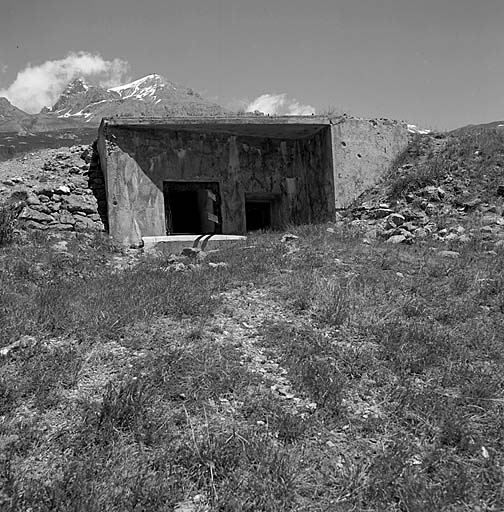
[[435, 63]]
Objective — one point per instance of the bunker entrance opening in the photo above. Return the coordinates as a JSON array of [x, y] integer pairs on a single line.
[[192, 207], [258, 214]]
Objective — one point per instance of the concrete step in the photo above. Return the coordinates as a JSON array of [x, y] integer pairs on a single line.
[[173, 244]]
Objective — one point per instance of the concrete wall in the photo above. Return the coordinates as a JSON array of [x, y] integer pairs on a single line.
[[136, 161], [363, 151]]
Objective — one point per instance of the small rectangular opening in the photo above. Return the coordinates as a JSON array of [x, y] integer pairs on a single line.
[[192, 207], [258, 215]]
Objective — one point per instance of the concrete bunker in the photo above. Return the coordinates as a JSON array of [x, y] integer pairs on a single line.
[[227, 176]]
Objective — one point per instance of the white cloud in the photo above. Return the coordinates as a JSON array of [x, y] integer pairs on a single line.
[[279, 104], [40, 86], [3, 68]]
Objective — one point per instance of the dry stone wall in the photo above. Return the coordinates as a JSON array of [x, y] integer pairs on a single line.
[[66, 193]]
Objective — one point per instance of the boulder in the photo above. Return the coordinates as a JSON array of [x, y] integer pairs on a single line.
[[397, 239], [66, 218], [62, 190], [32, 224], [44, 208], [33, 200], [44, 191], [380, 213], [62, 227], [193, 253], [85, 204], [82, 223], [470, 204], [289, 237], [395, 220], [33, 215]]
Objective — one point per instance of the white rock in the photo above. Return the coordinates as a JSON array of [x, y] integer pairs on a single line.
[[396, 239], [289, 237]]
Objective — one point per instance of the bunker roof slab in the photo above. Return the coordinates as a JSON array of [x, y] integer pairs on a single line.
[[285, 127]]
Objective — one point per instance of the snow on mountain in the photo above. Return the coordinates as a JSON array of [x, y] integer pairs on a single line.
[[153, 88], [143, 88], [78, 96], [152, 95], [83, 104], [412, 128]]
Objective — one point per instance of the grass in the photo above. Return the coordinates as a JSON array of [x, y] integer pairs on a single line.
[[474, 156], [146, 389]]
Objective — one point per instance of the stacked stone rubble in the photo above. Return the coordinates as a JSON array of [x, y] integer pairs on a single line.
[[68, 194]]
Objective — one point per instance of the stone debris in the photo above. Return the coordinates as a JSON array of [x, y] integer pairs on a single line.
[[193, 252], [220, 264], [62, 194], [289, 237], [416, 214], [24, 343]]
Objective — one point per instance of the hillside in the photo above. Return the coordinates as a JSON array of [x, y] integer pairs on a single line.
[[445, 187], [479, 127], [352, 365]]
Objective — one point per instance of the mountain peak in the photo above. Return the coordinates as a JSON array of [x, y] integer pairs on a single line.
[[76, 86], [143, 87]]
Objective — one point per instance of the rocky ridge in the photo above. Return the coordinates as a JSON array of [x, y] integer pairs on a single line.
[[448, 189]]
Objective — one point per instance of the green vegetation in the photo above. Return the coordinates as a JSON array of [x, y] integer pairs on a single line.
[[319, 374]]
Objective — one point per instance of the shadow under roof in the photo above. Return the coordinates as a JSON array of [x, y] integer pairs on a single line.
[[285, 127]]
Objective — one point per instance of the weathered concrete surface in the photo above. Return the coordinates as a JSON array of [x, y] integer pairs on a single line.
[[363, 150], [294, 173]]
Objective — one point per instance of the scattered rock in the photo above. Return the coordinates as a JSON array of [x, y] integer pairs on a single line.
[[83, 223], [220, 264], [396, 239], [395, 220], [62, 190], [66, 218], [289, 237], [33, 200], [84, 204], [34, 215], [25, 342], [380, 213], [61, 246], [191, 252]]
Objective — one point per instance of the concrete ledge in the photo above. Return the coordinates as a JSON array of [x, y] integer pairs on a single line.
[[172, 244]]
